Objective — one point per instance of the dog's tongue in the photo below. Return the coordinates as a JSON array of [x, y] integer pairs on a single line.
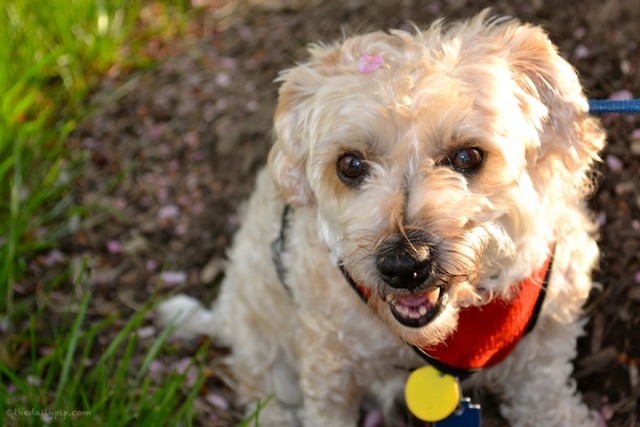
[[416, 302]]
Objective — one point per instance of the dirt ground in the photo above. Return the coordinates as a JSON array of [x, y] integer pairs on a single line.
[[174, 150]]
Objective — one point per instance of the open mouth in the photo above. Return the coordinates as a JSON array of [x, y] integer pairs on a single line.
[[416, 309], [413, 310]]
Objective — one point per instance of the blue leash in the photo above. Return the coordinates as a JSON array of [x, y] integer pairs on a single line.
[[606, 106]]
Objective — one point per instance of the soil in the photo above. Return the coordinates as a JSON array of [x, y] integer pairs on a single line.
[[174, 149]]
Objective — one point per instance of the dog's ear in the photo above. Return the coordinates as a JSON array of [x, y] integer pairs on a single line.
[[553, 98], [288, 156]]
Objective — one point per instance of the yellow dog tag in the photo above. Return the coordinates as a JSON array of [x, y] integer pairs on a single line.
[[431, 395]]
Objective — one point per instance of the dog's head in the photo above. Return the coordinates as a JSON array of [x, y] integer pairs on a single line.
[[442, 164]]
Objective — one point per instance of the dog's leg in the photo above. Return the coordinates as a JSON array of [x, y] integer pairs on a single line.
[[264, 377], [272, 395], [331, 395], [314, 388], [388, 394]]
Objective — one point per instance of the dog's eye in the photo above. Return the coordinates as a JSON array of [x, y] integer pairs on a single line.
[[351, 168], [467, 159]]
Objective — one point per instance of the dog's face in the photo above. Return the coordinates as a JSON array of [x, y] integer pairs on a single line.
[[438, 162]]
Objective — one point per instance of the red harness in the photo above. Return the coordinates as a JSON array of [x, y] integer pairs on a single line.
[[487, 334]]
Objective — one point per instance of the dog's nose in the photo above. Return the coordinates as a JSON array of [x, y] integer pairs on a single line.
[[401, 268]]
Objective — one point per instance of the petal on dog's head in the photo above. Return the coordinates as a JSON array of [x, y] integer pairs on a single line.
[[369, 63]]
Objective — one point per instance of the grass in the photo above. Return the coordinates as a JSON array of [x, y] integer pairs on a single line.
[[53, 52], [67, 387], [253, 420]]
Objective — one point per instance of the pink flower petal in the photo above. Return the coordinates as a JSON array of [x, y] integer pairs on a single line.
[[151, 265], [52, 258], [168, 212], [614, 163], [173, 278], [223, 79], [182, 365], [114, 247], [581, 52], [146, 332], [217, 401], [370, 63], [156, 366], [621, 95]]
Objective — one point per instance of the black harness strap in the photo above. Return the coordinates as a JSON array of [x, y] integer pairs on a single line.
[[543, 293], [278, 247], [353, 284]]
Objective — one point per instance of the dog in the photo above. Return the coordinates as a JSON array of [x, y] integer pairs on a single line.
[[423, 204]]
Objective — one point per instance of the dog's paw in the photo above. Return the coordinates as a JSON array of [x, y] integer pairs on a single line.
[[187, 316]]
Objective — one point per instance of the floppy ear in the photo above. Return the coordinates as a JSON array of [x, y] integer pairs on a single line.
[[569, 138], [289, 154], [287, 158]]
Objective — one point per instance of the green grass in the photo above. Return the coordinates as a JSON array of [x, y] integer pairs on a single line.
[[253, 420], [52, 54], [72, 389]]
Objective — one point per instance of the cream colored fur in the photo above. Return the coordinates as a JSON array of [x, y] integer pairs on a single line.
[[494, 84]]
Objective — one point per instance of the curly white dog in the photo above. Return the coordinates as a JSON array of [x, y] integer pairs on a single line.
[[441, 175]]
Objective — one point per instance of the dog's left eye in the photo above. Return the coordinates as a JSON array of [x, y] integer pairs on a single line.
[[467, 159], [351, 168]]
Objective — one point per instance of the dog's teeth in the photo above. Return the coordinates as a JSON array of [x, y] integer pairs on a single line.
[[415, 308], [403, 310], [409, 312]]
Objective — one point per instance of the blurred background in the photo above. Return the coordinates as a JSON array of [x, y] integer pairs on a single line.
[[130, 134]]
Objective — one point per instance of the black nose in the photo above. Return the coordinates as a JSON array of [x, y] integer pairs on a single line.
[[404, 266]]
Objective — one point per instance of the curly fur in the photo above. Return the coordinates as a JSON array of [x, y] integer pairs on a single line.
[[492, 84]]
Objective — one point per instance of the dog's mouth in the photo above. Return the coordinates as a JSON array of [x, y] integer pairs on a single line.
[[416, 309]]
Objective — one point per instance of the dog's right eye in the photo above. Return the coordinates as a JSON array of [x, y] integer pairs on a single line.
[[467, 160], [351, 168]]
